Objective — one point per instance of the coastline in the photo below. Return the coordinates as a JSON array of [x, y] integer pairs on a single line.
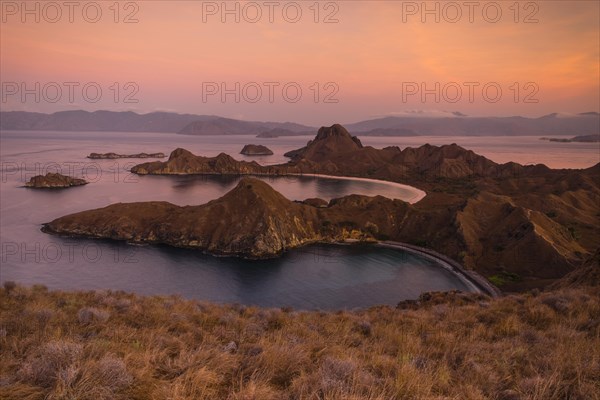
[[471, 278], [418, 193]]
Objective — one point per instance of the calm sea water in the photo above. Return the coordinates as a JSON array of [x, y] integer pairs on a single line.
[[326, 277]]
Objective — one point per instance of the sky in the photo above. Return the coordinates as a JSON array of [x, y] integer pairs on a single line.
[[309, 62]]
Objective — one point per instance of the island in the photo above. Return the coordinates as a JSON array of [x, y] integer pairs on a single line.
[[256, 150], [522, 225], [54, 181], [251, 221], [278, 132], [577, 139], [110, 156]]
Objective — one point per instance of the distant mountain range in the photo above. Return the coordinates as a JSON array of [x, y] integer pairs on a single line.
[[111, 121], [552, 124], [456, 124]]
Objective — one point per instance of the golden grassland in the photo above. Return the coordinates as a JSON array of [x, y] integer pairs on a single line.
[[114, 345]]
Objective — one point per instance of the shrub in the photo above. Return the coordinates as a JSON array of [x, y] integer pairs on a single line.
[[557, 303], [50, 361], [364, 327], [371, 228], [336, 373], [111, 372], [88, 315], [503, 278], [9, 286], [44, 316]]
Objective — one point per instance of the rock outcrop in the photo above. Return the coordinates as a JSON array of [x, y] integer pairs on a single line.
[[256, 150], [334, 140], [586, 275], [110, 156], [316, 202], [54, 181], [182, 162]]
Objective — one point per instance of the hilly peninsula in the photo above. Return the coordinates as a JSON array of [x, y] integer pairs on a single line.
[[252, 220], [521, 226]]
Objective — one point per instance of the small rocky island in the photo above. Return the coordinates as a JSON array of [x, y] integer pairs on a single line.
[[111, 156], [54, 181], [256, 150]]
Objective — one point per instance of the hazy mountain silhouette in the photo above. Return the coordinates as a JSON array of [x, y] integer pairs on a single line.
[[552, 124], [128, 121], [455, 124]]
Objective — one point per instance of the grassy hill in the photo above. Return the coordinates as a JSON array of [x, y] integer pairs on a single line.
[[113, 345]]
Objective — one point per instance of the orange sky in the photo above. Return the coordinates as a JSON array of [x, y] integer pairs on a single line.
[[370, 54]]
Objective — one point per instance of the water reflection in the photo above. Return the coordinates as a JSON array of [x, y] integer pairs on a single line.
[[210, 187]]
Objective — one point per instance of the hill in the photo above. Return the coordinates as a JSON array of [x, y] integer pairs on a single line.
[[460, 125], [110, 121], [114, 345], [521, 226], [252, 220], [454, 124]]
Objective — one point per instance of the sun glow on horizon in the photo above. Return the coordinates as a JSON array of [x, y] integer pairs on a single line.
[[369, 55]]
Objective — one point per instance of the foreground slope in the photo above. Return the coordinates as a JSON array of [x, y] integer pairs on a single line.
[[112, 345]]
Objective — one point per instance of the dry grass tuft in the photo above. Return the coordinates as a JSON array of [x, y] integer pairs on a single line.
[[88, 315], [50, 362]]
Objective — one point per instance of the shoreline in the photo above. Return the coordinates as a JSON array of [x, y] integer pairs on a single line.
[[418, 193], [471, 278], [417, 196]]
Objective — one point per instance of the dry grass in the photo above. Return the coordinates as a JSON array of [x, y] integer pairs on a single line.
[[113, 345]]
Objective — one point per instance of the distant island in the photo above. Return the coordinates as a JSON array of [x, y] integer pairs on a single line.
[[408, 124], [256, 150], [278, 132], [111, 156], [580, 139], [127, 121], [489, 217], [54, 181]]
